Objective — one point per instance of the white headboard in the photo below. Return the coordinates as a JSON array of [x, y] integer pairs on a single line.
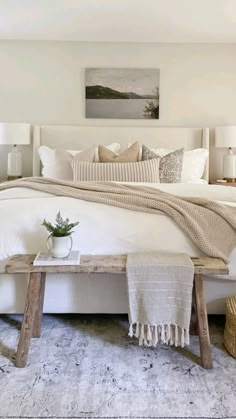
[[80, 137]]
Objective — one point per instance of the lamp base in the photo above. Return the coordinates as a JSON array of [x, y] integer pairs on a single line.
[[14, 164], [229, 166]]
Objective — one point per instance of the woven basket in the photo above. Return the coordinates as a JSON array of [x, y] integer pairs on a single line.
[[230, 326]]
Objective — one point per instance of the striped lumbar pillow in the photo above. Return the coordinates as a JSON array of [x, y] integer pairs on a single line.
[[143, 171]]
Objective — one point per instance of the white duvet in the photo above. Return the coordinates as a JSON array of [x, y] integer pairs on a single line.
[[103, 229]]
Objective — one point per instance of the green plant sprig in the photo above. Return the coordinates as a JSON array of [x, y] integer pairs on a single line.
[[61, 228]]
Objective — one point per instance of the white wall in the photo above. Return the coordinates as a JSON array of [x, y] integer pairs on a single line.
[[43, 83]]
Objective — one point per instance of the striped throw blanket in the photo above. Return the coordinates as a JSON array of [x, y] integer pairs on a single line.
[[160, 297]]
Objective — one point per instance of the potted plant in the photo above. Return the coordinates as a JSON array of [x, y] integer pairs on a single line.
[[59, 241]]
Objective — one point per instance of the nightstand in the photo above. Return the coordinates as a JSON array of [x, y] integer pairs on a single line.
[[224, 183]]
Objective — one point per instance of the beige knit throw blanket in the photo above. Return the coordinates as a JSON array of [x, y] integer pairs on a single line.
[[160, 297], [210, 225]]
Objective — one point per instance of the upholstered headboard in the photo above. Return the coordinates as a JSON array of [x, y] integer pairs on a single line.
[[80, 137]]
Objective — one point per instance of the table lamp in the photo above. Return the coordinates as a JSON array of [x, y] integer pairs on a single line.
[[225, 137], [14, 134]]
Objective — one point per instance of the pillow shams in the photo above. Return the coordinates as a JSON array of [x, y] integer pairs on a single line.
[[114, 148], [57, 162], [171, 165], [144, 171], [194, 164]]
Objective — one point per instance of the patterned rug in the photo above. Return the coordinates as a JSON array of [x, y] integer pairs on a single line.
[[85, 366]]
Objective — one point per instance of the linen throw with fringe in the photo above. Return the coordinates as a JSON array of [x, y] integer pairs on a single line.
[[160, 297], [209, 224]]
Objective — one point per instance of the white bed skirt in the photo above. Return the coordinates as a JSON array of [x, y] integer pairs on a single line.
[[94, 293]]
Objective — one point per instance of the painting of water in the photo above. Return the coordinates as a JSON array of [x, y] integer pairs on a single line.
[[122, 93]]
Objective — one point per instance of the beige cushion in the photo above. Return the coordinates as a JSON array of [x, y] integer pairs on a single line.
[[129, 155], [143, 171]]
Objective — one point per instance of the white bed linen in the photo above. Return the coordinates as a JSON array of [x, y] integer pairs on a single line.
[[103, 230]]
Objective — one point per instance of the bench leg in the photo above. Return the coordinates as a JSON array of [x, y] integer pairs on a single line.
[[32, 300], [204, 338], [193, 323], [39, 310]]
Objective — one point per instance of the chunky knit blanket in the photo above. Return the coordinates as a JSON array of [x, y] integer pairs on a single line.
[[160, 297], [210, 225]]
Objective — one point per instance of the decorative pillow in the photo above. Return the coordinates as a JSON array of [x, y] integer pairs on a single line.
[[194, 162], [144, 171], [129, 155], [171, 165], [57, 162], [114, 147]]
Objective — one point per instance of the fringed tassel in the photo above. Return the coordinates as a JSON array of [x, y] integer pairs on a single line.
[[151, 335], [162, 333], [176, 336], [171, 335], [186, 337], [131, 331], [167, 334], [141, 335], [155, 336]]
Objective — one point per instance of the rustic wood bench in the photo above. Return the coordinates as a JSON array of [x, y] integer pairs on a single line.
[[31, 325]]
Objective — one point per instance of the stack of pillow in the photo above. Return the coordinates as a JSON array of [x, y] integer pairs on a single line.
[[57, 163], [178, 165], [132, 165]]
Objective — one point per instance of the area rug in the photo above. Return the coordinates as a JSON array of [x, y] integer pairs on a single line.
[[85, 366]]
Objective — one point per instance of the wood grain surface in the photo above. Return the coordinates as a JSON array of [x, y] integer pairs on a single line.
[[105, 264]]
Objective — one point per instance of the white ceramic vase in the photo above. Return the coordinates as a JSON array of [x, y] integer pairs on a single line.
[[59, 247]]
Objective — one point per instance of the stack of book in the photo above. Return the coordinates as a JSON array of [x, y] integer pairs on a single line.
[[45, 259]]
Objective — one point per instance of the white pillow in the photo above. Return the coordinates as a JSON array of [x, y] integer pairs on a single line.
[[115, 147], [57, 162], [194, 162]]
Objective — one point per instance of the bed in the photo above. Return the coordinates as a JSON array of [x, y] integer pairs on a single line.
[[103, 229]]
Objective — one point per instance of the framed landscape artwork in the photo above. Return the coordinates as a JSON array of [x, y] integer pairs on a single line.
[[122, 93]]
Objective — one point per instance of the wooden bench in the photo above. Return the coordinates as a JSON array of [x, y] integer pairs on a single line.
[[31, 325]]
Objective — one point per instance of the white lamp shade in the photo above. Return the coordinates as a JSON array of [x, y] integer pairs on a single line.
[[225, 136], [14, 134]]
